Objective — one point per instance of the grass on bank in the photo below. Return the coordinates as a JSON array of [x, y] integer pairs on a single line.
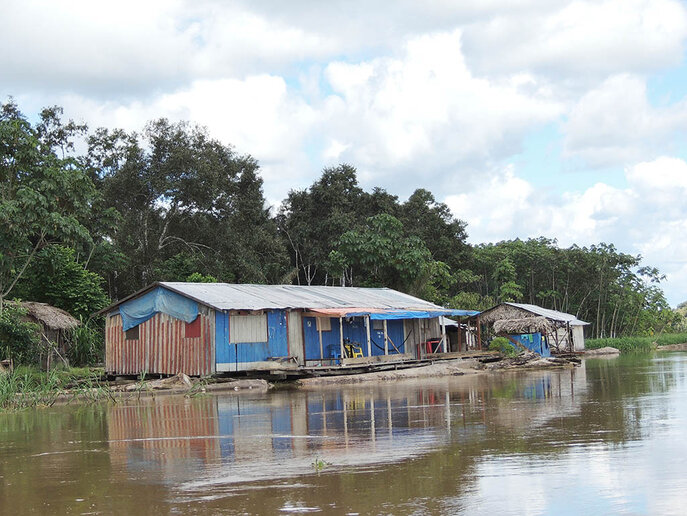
[[638, 344], [30, 387]]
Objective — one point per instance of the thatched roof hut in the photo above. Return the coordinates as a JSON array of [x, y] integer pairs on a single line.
[[563, 330], [50, 317], [54, 323]]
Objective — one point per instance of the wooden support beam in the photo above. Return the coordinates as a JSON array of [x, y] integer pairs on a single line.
[[460, 337], [443, 333], [319, 332], [341, 340], [386, 339], [479, 334], [369, 340]]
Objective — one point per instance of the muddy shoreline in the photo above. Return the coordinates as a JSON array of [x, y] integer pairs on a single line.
[[182, 385]]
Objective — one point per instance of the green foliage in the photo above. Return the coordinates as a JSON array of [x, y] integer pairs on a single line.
[[28, 387], [174, 204], [471, 301], [197, 277], [637, 344], [380, 253], [598, 284], [503, 346], [180, 191], [504, 276], [87, 344], [55, 277], [19, 338], [44, 198]]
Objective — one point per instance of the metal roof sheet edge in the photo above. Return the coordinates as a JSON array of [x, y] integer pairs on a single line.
[[286, 296]]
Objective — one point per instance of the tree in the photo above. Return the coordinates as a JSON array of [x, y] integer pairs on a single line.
[[44, 198], [504, 276], [183, 194], [312, 220], [379, 254], [56, 278], [432, 222]]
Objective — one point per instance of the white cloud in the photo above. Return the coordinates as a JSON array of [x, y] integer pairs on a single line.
[[132, 48], [581, 40], [425, 111], [615, 124]]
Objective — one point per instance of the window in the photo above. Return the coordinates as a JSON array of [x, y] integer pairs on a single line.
[[131, 333], [192, 329], [324, 324], [377, 325], [247, 328]]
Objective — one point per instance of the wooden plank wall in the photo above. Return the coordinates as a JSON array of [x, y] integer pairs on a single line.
[[161, 347]]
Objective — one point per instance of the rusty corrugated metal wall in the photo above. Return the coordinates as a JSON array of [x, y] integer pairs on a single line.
[[161, 347]]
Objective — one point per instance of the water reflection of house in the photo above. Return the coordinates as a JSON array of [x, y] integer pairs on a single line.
[[163, 431], [201, 328], [540, 397], [263, 435]]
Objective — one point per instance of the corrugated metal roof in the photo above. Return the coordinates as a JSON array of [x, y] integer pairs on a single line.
[[229, 296], [550, 314]]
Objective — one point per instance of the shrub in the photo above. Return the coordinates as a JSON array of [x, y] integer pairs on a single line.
[[637, 344], [19, 338], [86, 344], [503, 346]]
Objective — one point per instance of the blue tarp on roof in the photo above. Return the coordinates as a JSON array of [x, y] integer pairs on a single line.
[[140, 309], [419, 314]]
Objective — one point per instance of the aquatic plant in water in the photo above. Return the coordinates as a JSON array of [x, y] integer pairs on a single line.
[[319, 464]]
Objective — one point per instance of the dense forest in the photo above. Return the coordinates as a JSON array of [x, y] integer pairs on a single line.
[[87, 217]]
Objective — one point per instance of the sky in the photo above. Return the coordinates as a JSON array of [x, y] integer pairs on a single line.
[[564, 119]]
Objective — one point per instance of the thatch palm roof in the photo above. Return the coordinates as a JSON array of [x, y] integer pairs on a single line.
[[50, 316], [523, 325]]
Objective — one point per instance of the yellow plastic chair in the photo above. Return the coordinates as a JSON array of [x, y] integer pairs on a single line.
[[354, 351]]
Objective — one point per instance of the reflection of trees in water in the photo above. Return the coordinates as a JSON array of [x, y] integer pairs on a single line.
[[616, 388]]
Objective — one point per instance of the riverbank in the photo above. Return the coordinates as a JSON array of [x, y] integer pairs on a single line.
[[639, 344], [28, 387]]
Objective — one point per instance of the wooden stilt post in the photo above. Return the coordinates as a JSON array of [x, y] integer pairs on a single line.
[[479, 334], [319, 333], [443, 334], [369, 340], [341, 340], [386, 339]]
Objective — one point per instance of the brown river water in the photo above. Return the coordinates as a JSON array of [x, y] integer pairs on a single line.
[[609, 437]]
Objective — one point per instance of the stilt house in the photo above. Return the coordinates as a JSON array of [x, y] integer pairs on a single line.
[[208, 328]]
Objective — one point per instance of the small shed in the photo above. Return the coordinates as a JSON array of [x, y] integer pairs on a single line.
[[208, 328], [563, 331], [54, 324]]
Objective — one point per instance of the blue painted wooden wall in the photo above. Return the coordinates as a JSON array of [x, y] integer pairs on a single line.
[[276, 345]]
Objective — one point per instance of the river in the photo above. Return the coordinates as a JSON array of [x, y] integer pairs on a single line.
[[604, 438]]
